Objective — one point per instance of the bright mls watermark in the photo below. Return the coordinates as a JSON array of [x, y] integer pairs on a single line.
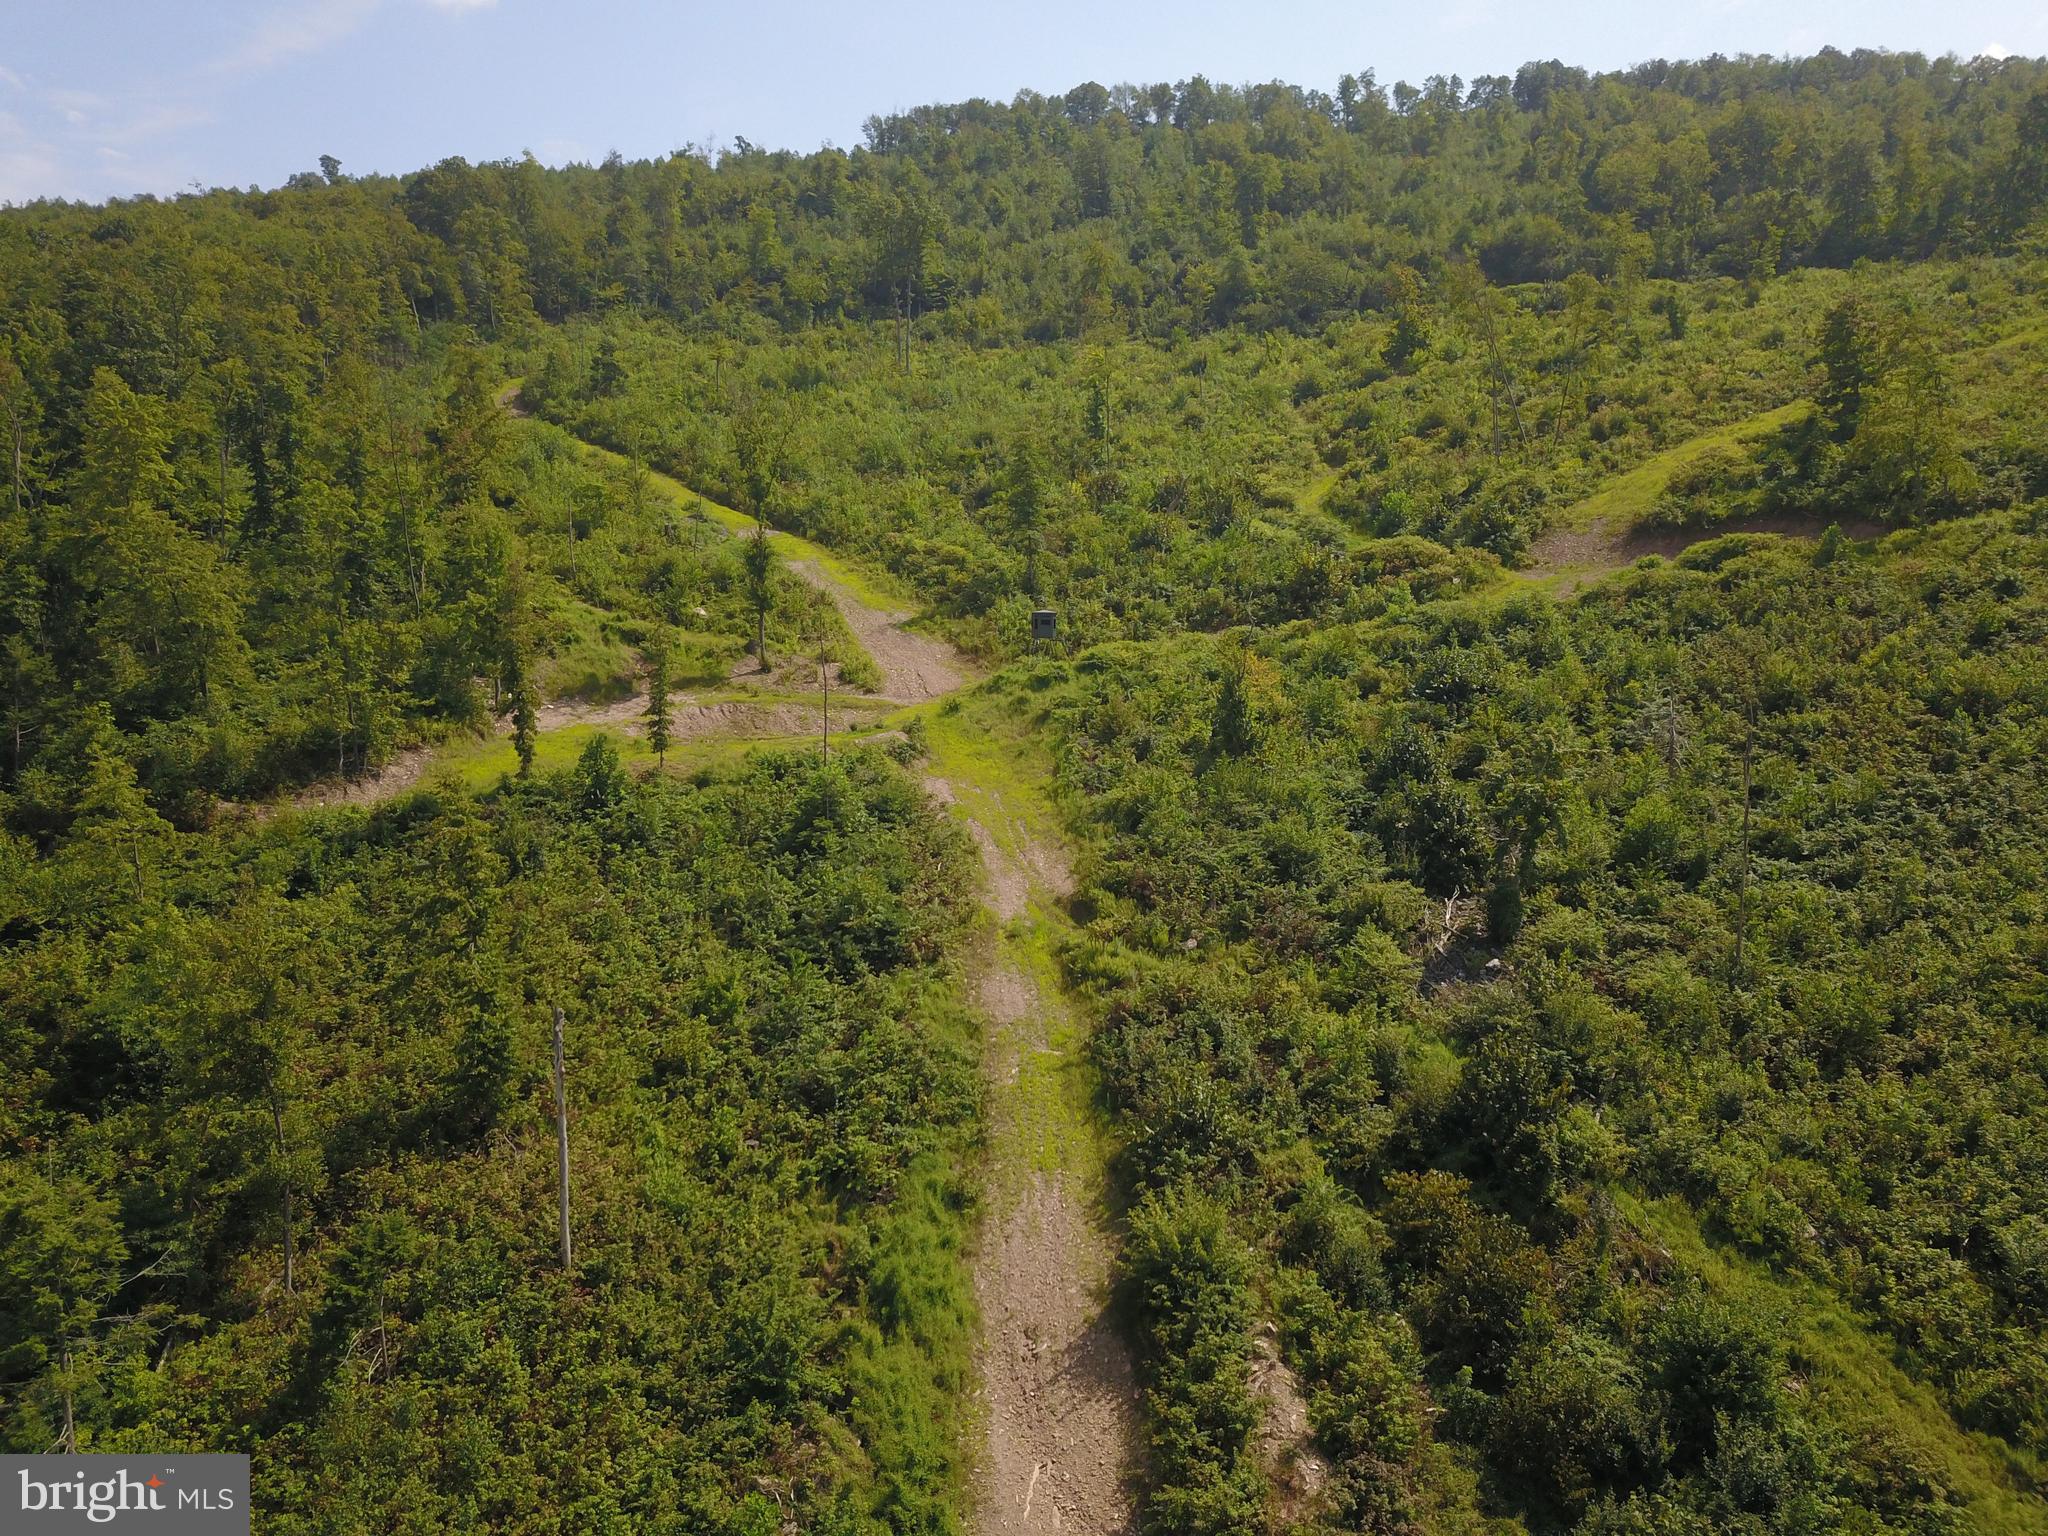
[[163, 1495]]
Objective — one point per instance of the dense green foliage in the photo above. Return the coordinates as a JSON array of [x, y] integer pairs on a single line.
[[1146, 487], [1161, 207], [274, 542], [1437, 944], [1603, 1038], [341, 1024], [261, 503]]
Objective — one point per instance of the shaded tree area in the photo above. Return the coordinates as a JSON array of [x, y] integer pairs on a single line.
[[1148, 486], [301, 549], [262, 503], [1575, 1025], [325, 1044]]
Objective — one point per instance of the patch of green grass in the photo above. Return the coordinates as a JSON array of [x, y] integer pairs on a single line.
[[910, 1374], [869, 588], [2025, 336], [481, 765], [1560, 583], [1851, 1373], [698, 660], [589, 661], [1312, 513], [1309, 500], [1051, 1124], [1624, 499], [983, 744]]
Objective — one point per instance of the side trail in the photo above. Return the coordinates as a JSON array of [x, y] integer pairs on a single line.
[[1056, 1414], [1058, 1395], [1057, 1409]]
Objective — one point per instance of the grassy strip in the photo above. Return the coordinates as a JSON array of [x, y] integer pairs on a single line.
[[1624, 499], [868, 588], [910, 1360], [983, 745], [1853, 1375], [479, 764]]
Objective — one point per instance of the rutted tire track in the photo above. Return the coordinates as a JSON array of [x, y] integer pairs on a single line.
[[1058, 1393], [915, 668]]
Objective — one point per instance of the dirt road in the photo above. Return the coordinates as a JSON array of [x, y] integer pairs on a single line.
[[1057, 1396]]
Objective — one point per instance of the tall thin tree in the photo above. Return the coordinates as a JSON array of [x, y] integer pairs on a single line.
[[659, 724], [525, 722], [562, 1139], [824, 682], [1742, 873], [760, 565]]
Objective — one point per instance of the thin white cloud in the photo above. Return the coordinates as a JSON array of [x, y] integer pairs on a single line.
[[75, 107], [9, 78], [304, 28], [1465, 18], [1994, 51], [157, 123], [312, 25], [80, 144]]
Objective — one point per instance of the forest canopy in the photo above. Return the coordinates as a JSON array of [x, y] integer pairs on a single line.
[[1546, 724]]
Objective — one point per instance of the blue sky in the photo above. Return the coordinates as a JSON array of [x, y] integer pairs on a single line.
[[100, 98]]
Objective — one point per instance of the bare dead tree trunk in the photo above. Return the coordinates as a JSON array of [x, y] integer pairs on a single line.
[[290, 1256], [70, 1436], [1742, 875], [562, 1138]]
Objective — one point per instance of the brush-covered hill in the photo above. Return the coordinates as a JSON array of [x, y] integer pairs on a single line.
[[1548, 701]]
